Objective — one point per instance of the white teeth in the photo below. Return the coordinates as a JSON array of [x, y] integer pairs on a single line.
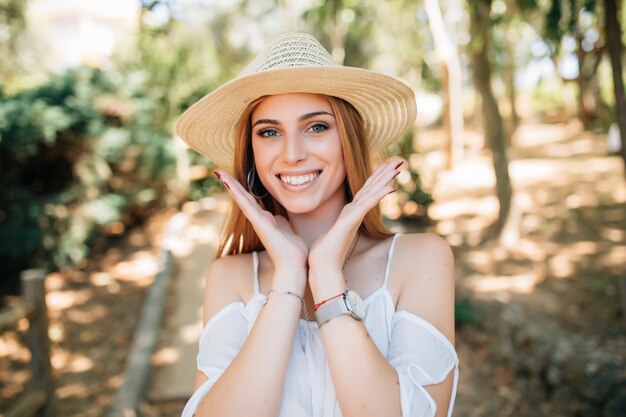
[[299, 180]]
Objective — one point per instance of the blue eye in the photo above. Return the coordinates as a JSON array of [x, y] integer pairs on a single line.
[[318, 127], [267, 133]]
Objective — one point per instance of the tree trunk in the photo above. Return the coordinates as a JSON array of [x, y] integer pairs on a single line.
[[492, 120], [446, 116], [509, 81], [452, 79], [585, 112], [614, 43]]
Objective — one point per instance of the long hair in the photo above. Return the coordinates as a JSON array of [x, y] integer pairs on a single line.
[[238, 235]]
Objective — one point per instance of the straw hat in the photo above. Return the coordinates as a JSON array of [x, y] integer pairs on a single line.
[[296, 63]]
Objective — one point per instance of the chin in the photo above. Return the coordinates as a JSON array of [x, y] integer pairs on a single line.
[[299, 207]]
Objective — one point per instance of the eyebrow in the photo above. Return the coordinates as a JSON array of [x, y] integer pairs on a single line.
[[301, 118]]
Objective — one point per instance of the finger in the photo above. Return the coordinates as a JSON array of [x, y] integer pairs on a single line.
[[381, 181], [235, 186], [385, 169], [369, 201], [384, 173], [246, 202]]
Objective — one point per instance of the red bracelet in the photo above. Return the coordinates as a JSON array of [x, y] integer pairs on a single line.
[[321, 303]]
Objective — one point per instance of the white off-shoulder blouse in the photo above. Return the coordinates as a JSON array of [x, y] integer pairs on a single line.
[[420, 354]]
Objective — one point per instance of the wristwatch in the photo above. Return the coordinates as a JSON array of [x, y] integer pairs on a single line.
[[348, 303]]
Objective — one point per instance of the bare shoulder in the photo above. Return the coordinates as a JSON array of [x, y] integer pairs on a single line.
[[425, 265], [423, 246], [226, 281]]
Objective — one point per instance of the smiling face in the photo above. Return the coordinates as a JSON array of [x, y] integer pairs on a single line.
[[297, 151]]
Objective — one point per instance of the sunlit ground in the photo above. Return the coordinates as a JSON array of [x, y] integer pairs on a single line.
[[93, 312], [560, 264], [569, 213]]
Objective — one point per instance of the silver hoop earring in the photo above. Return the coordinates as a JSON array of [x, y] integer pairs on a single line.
[[250, 179]]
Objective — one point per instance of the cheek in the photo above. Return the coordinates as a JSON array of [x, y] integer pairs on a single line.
[[263, 161], [334, 155]]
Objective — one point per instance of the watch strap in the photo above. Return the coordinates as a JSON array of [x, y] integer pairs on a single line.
[[331, 309]]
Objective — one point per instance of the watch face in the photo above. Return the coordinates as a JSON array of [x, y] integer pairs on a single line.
[[355, 304]]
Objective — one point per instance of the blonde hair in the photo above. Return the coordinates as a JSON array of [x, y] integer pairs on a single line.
[[238, 235]]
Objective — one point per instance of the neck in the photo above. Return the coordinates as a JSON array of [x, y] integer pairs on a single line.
[[311, 226]]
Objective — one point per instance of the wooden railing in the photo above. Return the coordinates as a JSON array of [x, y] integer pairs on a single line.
[[38, 398]]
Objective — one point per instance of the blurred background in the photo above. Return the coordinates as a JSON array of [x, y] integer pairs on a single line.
[[517, 158]]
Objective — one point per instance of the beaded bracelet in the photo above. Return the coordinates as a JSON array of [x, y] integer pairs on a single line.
[[293, 294]]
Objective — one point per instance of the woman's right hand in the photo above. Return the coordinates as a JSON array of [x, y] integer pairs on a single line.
[[288, 251]]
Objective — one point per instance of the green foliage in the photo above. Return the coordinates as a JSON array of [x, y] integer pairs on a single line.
[[344, 24], [12, 27], [464, 312], [77, 156], [413, 200], [564, 17]]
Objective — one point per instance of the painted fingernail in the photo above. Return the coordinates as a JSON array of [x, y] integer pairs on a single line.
[[395, 175], [391, 192], [398, 164], [219, 177]]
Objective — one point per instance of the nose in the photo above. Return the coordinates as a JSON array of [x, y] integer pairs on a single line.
[[294, 149]]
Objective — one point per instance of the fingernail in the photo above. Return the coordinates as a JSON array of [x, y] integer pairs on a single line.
[[391, 192], [395, 175], [219, 177], [398, 164]]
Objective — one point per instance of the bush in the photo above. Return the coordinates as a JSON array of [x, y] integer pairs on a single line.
[[76, 162]]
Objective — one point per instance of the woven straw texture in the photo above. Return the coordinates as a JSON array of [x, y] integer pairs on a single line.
[[296, 63]]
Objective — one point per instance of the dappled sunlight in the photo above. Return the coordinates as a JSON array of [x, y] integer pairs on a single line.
[[470, 176], [115, 381], [522, 283], [104, 279], [10, 348], [61, 300], [535, 134], [60, 358], [79, 389], [200, 234], [615, 258], [613, 234], [79, 363], [184, 234], [561, 265], [487, 206], [141, 265], [568, 247], [190, 333], [165, 356], [88, 316]]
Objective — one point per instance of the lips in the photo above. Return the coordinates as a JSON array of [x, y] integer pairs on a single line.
[[301, 179]]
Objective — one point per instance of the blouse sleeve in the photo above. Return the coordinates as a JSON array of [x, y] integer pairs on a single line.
[[421, 355], [221, 340]]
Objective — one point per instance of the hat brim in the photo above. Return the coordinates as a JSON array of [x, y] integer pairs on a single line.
[[386, 105]]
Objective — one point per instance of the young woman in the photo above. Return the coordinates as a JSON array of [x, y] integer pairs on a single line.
[[312, 307]]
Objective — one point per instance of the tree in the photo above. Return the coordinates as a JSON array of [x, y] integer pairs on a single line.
[[493, 126], [452, 82], [615, 49], [12, 28], [341, 25], [573, 24]]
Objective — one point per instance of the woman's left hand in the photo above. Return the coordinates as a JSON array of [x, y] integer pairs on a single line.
[[329, 252]]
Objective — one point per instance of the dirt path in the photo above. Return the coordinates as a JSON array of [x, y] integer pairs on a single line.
[[193, 246]]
